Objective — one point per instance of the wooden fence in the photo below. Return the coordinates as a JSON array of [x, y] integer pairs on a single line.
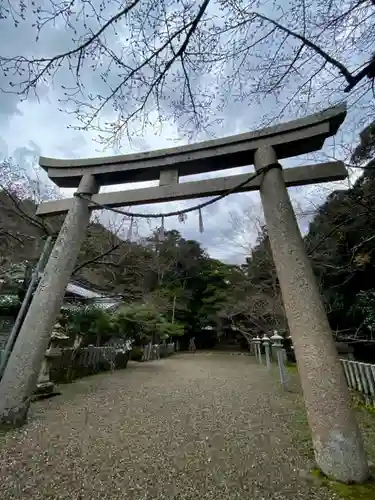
[[361, 377], [153, 352], [88, 361]]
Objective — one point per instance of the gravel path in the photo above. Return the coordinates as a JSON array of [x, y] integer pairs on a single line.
[[203, 426]]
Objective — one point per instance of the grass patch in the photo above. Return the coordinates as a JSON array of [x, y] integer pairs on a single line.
[[7, 428], [358, 403], [292, 367], [302, 433], [347, 491]]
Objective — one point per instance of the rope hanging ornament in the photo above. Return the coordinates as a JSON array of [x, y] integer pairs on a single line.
[[182, 218], [130, 229], [181, 214], [161, 230], [201, 227]]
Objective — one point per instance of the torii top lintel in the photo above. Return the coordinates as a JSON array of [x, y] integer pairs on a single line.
[[288, 139]]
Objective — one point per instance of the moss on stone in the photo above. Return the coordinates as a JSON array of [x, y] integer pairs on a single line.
[[364, 491]]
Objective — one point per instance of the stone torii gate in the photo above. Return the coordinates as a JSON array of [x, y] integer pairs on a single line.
[[336, 438]]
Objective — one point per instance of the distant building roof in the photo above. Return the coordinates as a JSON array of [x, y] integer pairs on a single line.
[[81, 291], [77, 290]]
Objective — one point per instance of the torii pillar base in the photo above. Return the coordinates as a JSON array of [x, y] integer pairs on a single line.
[[337, 441], [21, 373]]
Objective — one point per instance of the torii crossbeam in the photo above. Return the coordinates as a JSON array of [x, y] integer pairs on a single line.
[[168, 165], [288, 139]]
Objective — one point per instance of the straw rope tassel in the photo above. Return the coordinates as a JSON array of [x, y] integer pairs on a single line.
[[201, 228], [130, 229], [161, 232]]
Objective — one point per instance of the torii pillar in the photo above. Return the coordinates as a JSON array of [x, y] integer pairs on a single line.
[[337, 441], [22, 370]]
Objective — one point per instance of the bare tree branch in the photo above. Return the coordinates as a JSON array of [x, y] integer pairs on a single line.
[[97, 258], [186, 61], [337, 64]]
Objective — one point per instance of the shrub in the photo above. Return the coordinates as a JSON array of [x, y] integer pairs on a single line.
[[9, 306], [167, 330], [136, 354], [144, 323], [92, 322], [122, 359]]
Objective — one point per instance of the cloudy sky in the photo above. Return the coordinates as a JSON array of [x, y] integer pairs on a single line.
[[35, 126]]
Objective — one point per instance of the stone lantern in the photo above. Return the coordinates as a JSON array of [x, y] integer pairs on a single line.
[[45, 387], [257, 342], [278, 347], [266, 342]]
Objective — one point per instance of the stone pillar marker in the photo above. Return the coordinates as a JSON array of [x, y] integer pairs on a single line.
[[337, 442], [21, 374]]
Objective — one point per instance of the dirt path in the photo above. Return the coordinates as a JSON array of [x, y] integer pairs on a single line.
[[203, 426]]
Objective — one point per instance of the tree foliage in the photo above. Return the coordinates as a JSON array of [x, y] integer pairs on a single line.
[[342, 244], [144, 323], [93, 323], [140, 323]]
